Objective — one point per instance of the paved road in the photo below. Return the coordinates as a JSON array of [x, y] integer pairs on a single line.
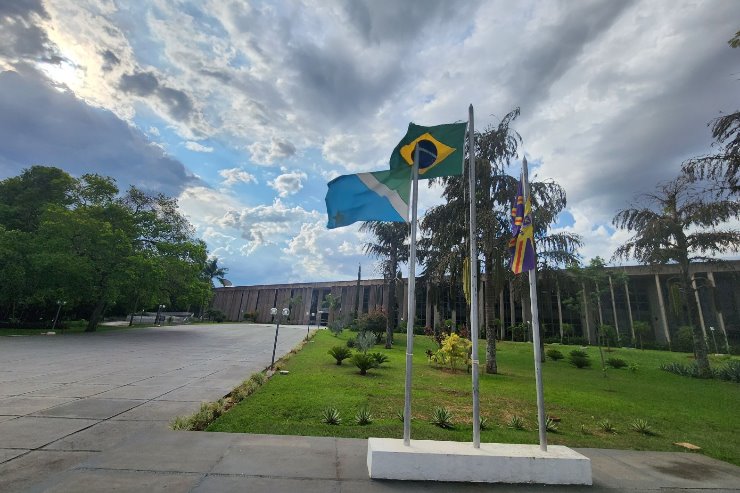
[[89, 413], [65, 398]]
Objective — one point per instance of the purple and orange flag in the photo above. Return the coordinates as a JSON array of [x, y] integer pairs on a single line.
[[521, 244]]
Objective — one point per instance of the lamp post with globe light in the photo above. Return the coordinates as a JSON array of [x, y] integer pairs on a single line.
[[159, 310], [714, 339]]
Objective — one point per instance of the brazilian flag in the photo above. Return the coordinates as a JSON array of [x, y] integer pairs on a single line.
[[440, 150]]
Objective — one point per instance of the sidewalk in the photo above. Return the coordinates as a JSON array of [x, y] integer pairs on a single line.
[[224, 462]]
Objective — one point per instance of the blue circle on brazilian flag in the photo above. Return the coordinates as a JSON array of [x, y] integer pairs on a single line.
[[427, 153]]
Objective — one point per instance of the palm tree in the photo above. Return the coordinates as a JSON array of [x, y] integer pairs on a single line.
[[445, 230], [678, 223], [212, 271], [389, 246]]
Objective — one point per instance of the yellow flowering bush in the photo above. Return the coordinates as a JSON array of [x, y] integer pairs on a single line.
[[455, 352]]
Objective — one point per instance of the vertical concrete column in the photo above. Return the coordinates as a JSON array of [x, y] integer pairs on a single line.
[[428, 306], [560, 308], [614, 311], [629, 311], [502, 314], [586, 316], [661, 304], [512, 311], [718, 312], [698, 306]]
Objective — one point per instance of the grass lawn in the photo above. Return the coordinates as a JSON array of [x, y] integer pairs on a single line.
[[679, 409]]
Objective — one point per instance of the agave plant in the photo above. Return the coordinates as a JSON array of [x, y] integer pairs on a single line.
[[442, 417], [607, 426], [330, 416], [516, 423], [363, 417], [642, 426], [551, 425]]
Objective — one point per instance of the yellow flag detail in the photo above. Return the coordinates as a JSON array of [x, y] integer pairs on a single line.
[[407, 152]]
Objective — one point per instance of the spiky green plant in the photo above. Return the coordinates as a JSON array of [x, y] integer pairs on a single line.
[[340, 353], [330, 416], [363, 417], [642, 426], [516, 423], [484, 423], [442, 417], [379, 358], [364, 362], [551, 425], [607, 426]]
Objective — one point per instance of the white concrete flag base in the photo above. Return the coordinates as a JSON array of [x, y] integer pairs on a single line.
[[429, 460]]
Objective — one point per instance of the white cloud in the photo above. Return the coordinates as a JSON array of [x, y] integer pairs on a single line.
[[232, 176], [268, 154], [288, 183], [196, 147]]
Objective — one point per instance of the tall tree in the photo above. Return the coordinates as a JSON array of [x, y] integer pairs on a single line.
[[723, 165], [211, 271], [680, 222], [445, 231], [389, 246]]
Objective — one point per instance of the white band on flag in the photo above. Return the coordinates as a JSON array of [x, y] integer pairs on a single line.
[[393, 197]]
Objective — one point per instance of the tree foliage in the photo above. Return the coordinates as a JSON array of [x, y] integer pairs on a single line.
[[80, 240], [681, 222]]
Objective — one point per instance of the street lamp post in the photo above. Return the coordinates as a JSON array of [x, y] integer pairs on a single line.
[[714, 339], [60, 304], [159, 310], [308, 325], [274, 311]]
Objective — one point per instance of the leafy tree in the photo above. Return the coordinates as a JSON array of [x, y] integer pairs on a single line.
[[679, 223], [211, 271], [445, 232], [332, 303], [389, 246], [722, 166]]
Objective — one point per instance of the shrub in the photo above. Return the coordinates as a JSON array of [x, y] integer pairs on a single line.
[[455, 352], [579, 359], [616, 363], [442, 417], [642, 426], [633, 367], [363, 417], [364, 341], [483, 423], [199, 421], [554, 354], [250, 316], [379, 358], [216, 315], [351, 342], [364, 362], [516, 423], [374, 321], [336, 327], [340, 353], [551, 425], [689, 370], [730, 371], [684, 339], [330, 416], [607, 426]]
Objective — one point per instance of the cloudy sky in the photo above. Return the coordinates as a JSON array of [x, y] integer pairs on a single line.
[[244, 110]]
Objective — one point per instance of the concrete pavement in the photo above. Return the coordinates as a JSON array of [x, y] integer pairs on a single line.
[[90, 413], [64, 398]]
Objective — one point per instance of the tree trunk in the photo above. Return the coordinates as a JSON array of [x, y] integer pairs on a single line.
[[490, 301], [700, 345], [97, 312]]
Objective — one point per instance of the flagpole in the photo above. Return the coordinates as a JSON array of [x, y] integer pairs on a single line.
[[473, 279], [535, 328], [411, 302]]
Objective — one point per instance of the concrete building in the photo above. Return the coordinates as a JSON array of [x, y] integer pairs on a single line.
[[646, 297]]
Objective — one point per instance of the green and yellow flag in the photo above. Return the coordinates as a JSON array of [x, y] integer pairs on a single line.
[[440, 149]]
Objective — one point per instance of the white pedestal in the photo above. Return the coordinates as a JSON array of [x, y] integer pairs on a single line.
[[427, 460]]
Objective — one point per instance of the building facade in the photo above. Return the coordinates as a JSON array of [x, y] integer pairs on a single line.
[[646, 296]]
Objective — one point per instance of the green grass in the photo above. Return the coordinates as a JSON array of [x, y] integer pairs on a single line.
[[678, 409]]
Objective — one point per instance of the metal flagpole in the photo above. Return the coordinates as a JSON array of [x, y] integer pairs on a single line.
[[535, 328], [411, 301], [473, 279]]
